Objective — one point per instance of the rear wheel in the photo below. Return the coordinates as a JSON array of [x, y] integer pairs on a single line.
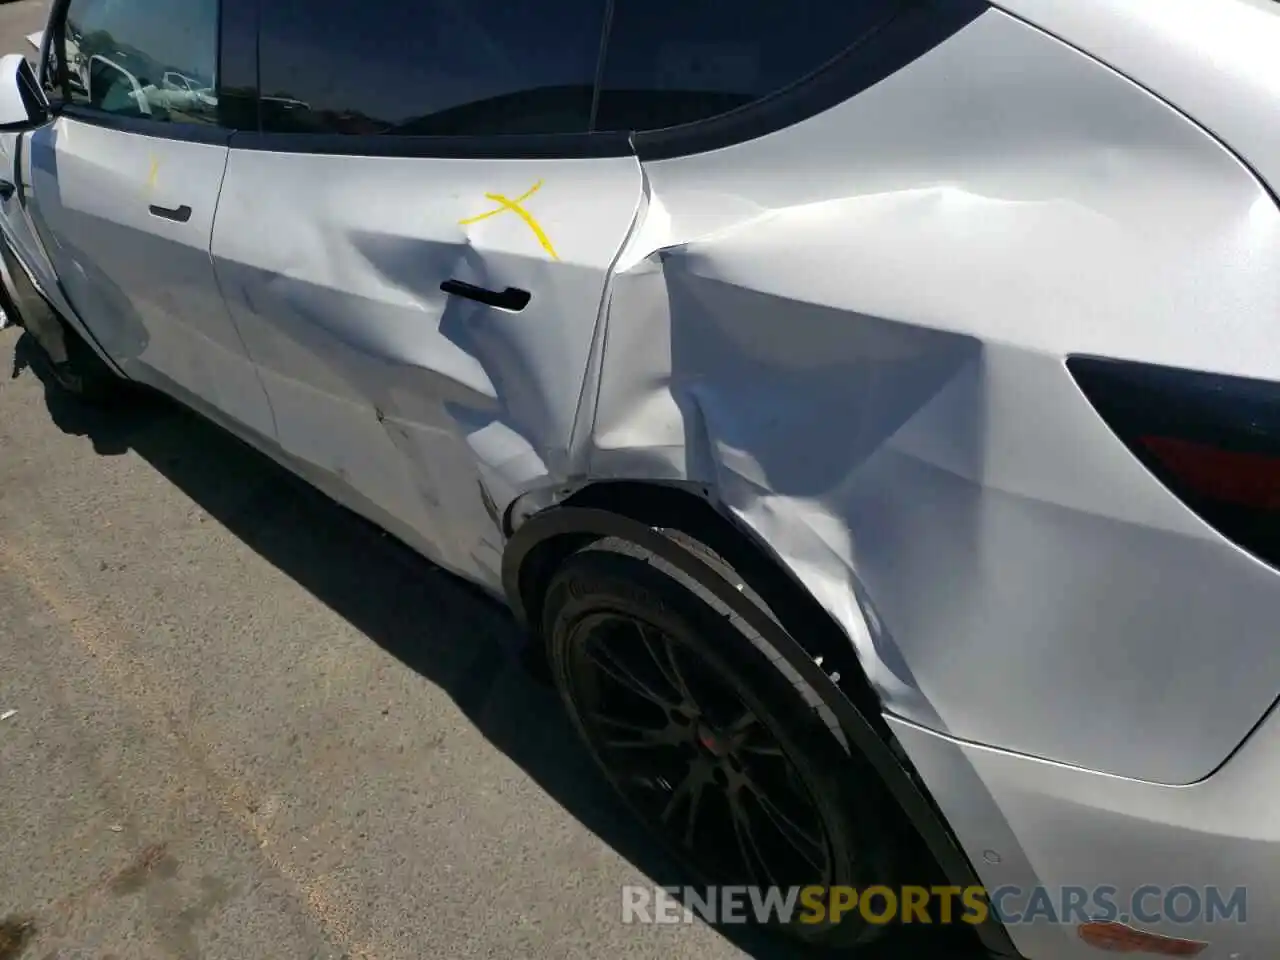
[[709, 740]]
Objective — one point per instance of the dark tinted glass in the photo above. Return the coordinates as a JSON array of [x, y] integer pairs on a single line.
[[238, 65], [429, 67], [676, 61], [148, 59]]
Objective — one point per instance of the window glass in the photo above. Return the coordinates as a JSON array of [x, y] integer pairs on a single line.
[[677, 61], [429, 67], [150, 59]]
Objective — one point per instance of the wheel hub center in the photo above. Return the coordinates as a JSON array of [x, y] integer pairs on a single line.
[[712, 741]]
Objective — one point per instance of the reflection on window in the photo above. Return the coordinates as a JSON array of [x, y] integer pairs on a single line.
[[678, 61], [147, 59], [431, 67]]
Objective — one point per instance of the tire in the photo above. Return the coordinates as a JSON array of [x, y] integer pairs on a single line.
[[84, 375], [674, 697]]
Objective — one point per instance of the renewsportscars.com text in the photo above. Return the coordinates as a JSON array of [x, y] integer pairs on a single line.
[[1151, 904]]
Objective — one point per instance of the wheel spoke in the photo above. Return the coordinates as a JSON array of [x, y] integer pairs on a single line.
[[691, 821], [688, 792], [641, 736], [664, 658], [742, 728], [748, 849], [811, 848], [746, 729], [652, 770], [761, 750], [620, 672]]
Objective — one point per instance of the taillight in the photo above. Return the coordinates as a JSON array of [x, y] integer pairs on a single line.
[[1213, 440]]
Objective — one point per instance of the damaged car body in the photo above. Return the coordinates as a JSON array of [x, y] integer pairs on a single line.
[[873, 408]]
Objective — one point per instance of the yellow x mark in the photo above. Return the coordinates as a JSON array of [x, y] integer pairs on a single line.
[[505, 204]]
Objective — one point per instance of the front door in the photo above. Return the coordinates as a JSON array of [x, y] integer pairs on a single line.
[[417, 253], [124, 189]]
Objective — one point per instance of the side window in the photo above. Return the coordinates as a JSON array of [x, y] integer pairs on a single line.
[[146, 59], [429, 67], [670, 62]]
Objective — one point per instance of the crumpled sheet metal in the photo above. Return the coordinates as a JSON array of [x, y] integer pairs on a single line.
[[436, 408], [889, 410]]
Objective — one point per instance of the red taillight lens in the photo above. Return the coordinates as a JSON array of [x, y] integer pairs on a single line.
[[1245, 479], [1214, 441]]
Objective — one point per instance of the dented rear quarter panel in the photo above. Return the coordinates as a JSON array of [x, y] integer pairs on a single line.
[[853, 332]]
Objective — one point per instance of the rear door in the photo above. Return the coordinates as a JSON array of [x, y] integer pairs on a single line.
[[124, 189], [416, 248]]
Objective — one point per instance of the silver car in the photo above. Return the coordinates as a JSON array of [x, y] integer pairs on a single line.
[[872, 407]]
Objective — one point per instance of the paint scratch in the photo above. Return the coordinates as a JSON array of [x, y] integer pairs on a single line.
[[505, 204], [155, 171]]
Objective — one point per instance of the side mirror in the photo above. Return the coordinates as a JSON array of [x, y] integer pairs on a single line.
[[23, 105]]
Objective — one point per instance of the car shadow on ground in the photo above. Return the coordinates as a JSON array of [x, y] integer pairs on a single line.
[[436, 624]]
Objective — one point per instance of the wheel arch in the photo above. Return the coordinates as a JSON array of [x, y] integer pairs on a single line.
[[646, 514]]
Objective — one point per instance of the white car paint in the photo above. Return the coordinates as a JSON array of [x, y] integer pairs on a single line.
[[412, 398], [850, 334], [145, 285]]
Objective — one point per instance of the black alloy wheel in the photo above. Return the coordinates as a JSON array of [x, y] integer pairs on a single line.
[[689, 752], [708, 740]]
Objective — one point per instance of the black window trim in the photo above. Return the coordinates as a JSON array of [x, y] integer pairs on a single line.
[[55, 27], [908, 33], [903, 36], [540, 146]]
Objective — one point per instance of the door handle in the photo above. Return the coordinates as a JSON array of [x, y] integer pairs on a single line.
[[177, 214], [7, 189], [511, 298]]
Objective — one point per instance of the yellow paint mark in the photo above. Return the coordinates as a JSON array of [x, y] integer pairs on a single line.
[[504, 204], [155, 171]]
